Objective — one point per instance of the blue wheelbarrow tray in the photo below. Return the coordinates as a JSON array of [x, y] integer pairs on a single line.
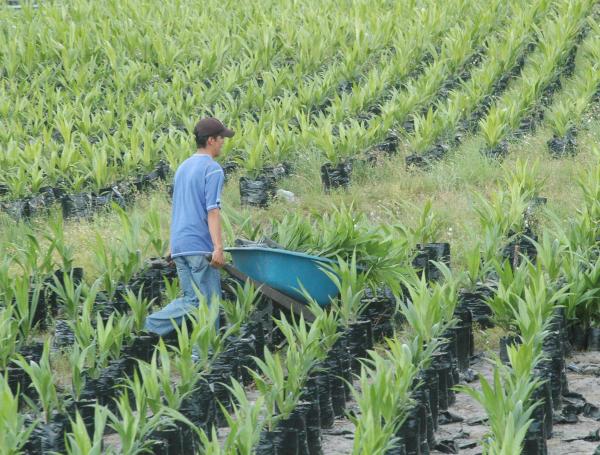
[[287, 271]]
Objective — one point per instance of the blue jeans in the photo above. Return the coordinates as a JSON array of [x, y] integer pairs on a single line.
[[192, 270]]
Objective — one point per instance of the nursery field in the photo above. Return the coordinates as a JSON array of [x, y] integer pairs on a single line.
[[445, 156]]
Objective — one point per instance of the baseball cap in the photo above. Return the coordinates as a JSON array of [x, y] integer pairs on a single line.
[[211, 126]]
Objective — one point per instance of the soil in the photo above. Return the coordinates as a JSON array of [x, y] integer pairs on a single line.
[[339, 439]]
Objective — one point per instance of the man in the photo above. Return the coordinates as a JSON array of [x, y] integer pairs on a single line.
[[196, 240]]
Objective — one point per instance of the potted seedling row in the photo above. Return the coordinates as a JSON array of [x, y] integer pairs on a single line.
[[242, 78], [81, 204], [302, 390], [567, 111], [401, 107], [512, 112], [465, 106]]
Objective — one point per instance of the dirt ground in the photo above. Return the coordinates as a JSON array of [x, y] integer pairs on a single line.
[[340, 438]]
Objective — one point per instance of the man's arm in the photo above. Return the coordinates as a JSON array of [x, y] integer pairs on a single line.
[[213, 187], [214, 227]]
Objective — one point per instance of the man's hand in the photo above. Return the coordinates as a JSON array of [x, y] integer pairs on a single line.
[[218, 258]]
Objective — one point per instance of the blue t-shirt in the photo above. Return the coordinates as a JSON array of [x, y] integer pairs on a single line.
[[196, 191]]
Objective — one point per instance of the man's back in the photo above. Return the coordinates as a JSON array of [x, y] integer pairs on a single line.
[[197, 189]]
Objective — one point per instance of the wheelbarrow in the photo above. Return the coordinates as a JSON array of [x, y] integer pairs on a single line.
[[284, 276]]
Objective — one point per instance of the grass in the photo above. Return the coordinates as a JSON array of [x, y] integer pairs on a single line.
[[487, 340]]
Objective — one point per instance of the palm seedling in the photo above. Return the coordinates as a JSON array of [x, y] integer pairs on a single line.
[[58, 243], [79, 442], [139, 307], [109, 265], [508, 407], [354, 138], [351, 286], [72, 294], [83, 327], [16, 181], [207, 340], [523, 181], [428, 228], [81, 361], [279, 379], [43, 381], [31, 257], [152, 382], [313, 341], [326, 323], [105, 340], [588, 302], [14, 433], [254, 160], [210, 443], [325, 142], [279, 143], [530, 320], [589, 183], [99, 172], [375, 427], [424, 132], [155, 232], [550, 255], [293, 231], [494, 127], [183, 361], [511, 286], [449, 289], [407, 359], [385, 258], [339, 232], [245, 421], [128, 245], [502, 215], [560, 119], [426, 309], [9, 336], [577, 270], [238, 311], [133, 424], [383, 397], [172, 288], [158, 380], [6, 281], [476, 269], [111, 334], [26, 301]]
